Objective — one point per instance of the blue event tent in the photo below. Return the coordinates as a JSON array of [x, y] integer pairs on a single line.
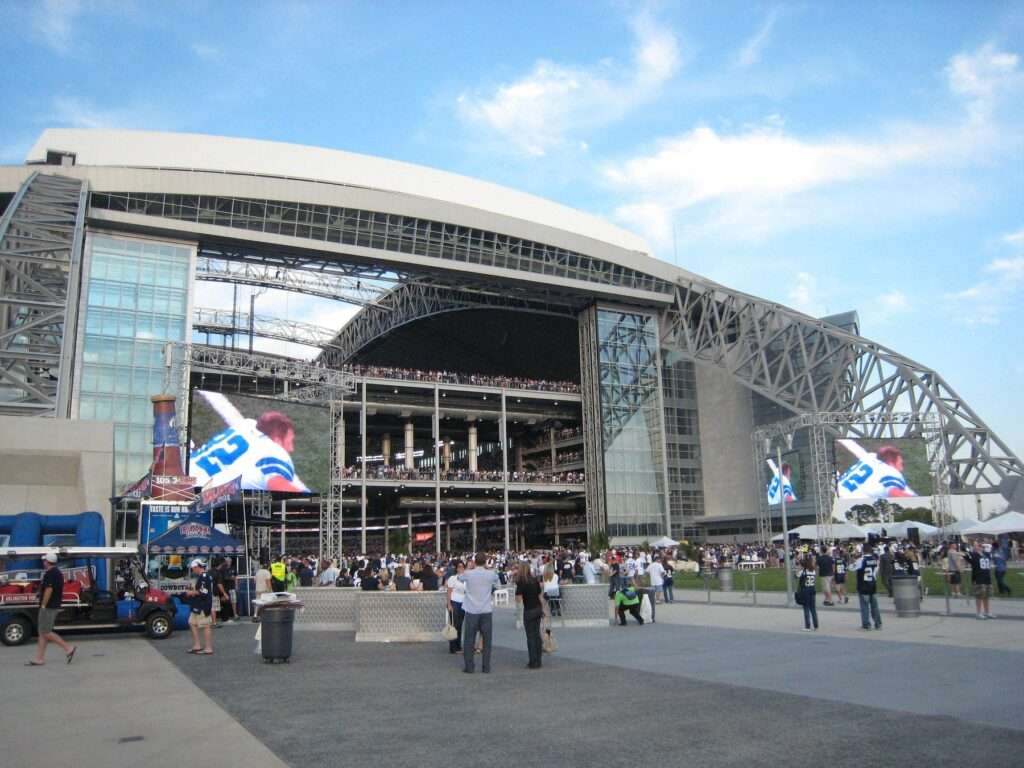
[[194, 536]]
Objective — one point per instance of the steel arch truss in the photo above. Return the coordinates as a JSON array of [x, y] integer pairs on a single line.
[[224, 322], [325, 284], [810, 366], [415, 301], [40, 261]]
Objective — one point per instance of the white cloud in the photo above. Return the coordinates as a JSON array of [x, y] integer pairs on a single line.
[[750, 53], [999, 289], [889, 305], [208, 53], [803, 295], [81, 113], [745, 177], [541, 110], [54, 21], [1014, 238]]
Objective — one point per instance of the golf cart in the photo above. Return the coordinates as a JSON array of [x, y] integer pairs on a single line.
[[136, 604]]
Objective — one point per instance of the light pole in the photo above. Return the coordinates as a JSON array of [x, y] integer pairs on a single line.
[[785, 528]]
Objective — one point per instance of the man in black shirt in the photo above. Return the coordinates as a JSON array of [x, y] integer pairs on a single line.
[[826, 569], [866, 569], [51, 592], [981, 562], [201, 609]]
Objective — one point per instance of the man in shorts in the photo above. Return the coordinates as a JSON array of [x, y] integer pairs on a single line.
[[826, 572], [980, 559], [840, 577], [51, 592], [953, 558], [200, 615]]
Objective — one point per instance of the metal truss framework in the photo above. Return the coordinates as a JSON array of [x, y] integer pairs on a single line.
[[810, 366], [825, 427], [224, 322], [305, 280], [416, 301], [40, 274], [331, 506]]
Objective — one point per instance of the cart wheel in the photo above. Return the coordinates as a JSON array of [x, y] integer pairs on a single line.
[[16, 631]]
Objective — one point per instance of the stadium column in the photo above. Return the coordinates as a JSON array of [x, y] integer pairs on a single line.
[[437, 471], [556, 527], [504, 468], [362, 462], [408, 519], [554, 453], [474, 531], [471, 448], [385, 449], [447, 445], [410, 445]]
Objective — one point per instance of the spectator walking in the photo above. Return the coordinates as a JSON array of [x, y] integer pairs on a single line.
[[279, 575], [808, 591], [528, 592], [669, 581], [478, 606], [866, 569], [262, 580], [980, 559], [999, 558], [51, 593], [840, 577], [886, 568], [954, 565], [656, 573], [201, 609], [826, 570], [456, 594]]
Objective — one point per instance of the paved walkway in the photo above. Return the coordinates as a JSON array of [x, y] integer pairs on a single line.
[[710, 685], [119, 704]]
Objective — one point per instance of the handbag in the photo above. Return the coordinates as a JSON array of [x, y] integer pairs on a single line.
[[550, 644], [449, 632], [799, 597]]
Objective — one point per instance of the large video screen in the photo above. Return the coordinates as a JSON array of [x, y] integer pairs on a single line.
[[785, 481], [882, 469], [272, 445]]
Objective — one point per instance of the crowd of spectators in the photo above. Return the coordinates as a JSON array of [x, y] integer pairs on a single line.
[[470, 379], [381, 472]]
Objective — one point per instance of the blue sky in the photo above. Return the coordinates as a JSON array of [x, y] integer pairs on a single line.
[[826, 156]]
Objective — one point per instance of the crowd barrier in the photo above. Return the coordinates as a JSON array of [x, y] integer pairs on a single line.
[[582, 605], [383, 617]]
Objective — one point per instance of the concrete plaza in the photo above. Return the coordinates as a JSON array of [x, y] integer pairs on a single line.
[[719, 685]]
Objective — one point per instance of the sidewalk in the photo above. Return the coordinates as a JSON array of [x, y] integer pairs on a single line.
[[931, 605], [120, 703]]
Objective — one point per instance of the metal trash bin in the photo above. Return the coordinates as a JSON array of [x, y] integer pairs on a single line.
[[725, 578], [278, 625], [906, 596]]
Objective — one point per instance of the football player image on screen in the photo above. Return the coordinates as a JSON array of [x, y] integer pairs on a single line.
[[258, 450], [781, 484], [877, 475]]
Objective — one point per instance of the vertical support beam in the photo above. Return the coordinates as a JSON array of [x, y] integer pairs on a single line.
[[408, 523], [557, 515], [472, 447], [448, 536], [387, 531], [284, 522], [410, 445], [385, 448], [446, 446], [437, 471], [362, 472], [503, 437], [474, 532], [554, 452]]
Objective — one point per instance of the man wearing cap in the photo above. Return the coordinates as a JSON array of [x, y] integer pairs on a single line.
[[201, 602], [51, 592]]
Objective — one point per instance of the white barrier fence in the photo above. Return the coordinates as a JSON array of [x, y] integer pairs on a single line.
[[404, 617]]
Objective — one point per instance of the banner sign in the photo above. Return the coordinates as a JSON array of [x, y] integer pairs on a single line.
[[423, 537], [213, 496], [172, 488], [160, 516], [138, 489]]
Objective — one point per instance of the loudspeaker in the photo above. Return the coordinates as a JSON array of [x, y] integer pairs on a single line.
[[914, 534], [873, 538]]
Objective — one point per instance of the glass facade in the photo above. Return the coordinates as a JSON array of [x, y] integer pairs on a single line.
[[631, 423], [682, 436], [136, 300], [387, 231]]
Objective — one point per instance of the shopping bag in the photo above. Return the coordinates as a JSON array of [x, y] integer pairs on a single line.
[[645, 608]]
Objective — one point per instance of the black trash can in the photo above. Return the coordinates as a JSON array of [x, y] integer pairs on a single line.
[[276, 634]]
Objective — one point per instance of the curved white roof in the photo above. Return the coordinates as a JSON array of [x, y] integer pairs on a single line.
[[199, 152]]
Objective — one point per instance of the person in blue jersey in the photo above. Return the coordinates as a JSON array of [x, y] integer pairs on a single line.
[[258, 450], [806, 579], [866, 569], [840, 578]]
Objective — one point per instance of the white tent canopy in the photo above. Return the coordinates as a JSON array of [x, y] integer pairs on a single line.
[[839, 531], [663, 542], [899, 530], [1010, 522], [960, 525]]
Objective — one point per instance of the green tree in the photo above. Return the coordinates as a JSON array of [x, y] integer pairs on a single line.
[[599, 541]]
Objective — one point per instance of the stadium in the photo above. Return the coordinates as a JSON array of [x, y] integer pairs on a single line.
[[518, 373]]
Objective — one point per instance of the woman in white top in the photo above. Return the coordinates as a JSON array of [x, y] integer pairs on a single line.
[[657, 575], [552, 593], [456, 594]]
